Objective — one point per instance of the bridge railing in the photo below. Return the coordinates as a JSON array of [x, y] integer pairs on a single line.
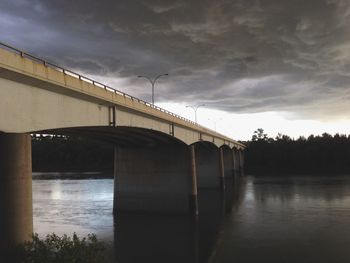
[[93, 82]]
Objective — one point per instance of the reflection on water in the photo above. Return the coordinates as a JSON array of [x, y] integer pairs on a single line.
[[85, 206], [292, 219], [146, 238], [67, 206], [258, 219], [173, 239]]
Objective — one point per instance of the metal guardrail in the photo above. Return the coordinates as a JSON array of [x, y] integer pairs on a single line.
[[93, 82], [98, 84]]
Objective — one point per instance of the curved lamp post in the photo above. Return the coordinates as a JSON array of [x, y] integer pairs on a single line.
[[153, 81], [195, 108]]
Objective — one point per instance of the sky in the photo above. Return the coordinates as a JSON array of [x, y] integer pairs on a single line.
[[280, 65]]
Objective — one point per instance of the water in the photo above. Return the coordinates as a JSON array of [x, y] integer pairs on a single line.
[[262, 219], [67, 206]]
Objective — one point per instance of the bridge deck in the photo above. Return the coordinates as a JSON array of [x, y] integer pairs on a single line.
[[22, 67]]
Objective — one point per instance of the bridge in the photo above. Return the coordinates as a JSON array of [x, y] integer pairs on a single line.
[[160, 159]]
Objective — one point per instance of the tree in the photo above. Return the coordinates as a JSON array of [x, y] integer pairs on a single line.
[[315, 154], [259, 135]]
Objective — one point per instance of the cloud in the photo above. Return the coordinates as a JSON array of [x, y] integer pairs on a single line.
[[240, 56]]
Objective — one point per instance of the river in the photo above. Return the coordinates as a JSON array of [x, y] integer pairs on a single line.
[[263, 219]]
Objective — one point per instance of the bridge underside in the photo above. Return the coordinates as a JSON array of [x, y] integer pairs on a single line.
[[120, 136]]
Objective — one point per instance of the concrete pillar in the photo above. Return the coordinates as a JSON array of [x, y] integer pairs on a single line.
[[227, 157], [222, 170], [194, 192], [241, 161], [115, 159], [235, 161], [210, 169], [208, 166], [16, 212], [153, 179]]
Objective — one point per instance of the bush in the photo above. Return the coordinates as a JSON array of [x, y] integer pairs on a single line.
[[55, 249]]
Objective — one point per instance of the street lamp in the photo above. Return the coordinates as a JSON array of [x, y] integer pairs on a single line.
[[153, 81], [195, 108]]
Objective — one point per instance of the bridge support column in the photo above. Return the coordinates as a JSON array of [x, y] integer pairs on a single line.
[[16, 213], [228, 162], [154, 179], [209, 168], [115, 176], [222, 170], [236, 162], [194, 191], [208, 165], [241, 161]]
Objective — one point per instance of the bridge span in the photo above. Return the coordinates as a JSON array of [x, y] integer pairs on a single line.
[[160, 159]]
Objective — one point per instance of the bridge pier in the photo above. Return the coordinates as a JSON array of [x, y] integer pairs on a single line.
[[16, 213], [222, 169], [209, 166], [241, 160], [214, 166], [236, 161], [194, 185], [228, 162], [154, 179], [115, 175]]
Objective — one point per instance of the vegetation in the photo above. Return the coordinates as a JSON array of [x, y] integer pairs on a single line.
[[55, 249], [70, 154], [315, 154], [264, 154]]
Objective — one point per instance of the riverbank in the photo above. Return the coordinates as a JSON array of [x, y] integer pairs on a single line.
[[71, 175]]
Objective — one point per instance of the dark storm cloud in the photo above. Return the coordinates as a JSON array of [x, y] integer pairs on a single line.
[[240, 56]]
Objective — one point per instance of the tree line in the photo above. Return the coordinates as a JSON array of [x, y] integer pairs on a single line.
[[264, 154], [282, 154], [51, 153]]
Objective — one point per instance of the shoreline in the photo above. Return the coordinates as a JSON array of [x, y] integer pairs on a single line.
[[71, 175]]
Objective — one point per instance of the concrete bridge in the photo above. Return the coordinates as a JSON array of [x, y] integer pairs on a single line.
[[160, 158]]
